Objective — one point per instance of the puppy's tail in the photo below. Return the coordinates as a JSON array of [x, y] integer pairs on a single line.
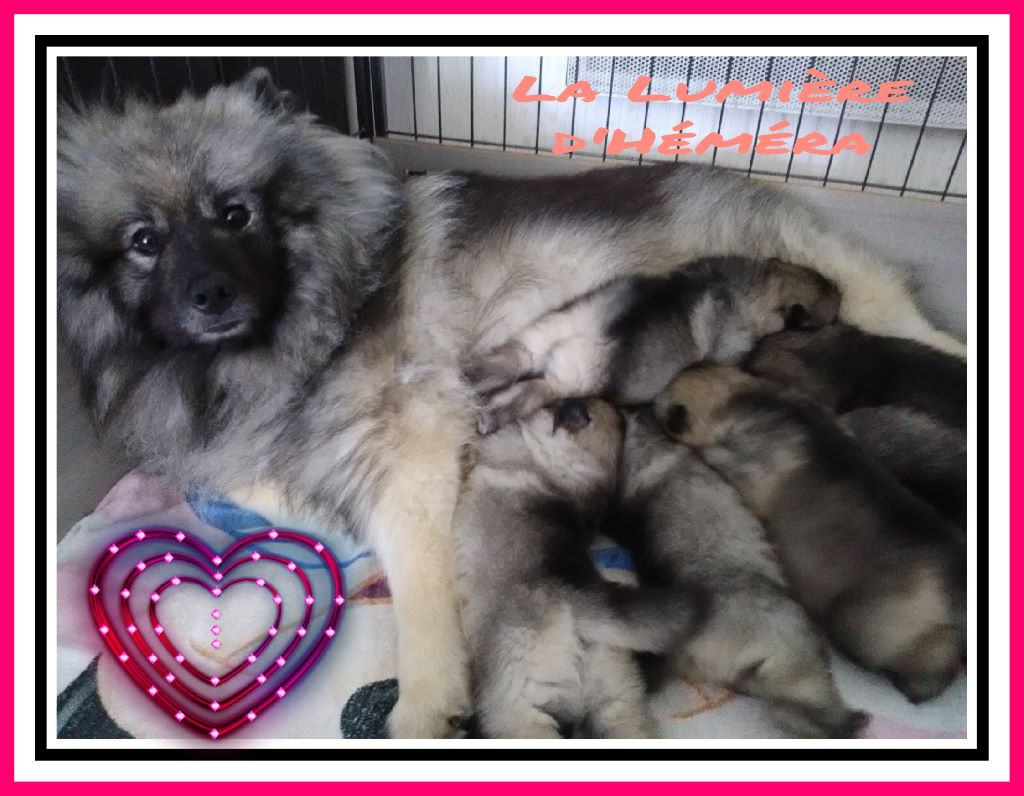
[[638, 618]]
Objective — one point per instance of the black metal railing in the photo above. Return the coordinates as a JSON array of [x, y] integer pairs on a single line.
[[907, 140], [915, 124], [319, 84]]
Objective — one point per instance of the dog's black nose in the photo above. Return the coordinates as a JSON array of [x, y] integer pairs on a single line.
[[212, 294], [572, 416]]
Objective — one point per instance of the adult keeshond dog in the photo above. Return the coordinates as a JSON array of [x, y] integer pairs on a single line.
[[253, 300]]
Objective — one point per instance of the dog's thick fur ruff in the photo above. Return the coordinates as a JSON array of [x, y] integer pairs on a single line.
[[352, 405]]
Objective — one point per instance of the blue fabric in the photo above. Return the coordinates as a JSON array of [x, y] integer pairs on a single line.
[[228, 516], [612, 557], [220, 512]]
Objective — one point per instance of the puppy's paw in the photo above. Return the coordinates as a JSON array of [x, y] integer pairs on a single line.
[[833, 721], [498, 367], [854, 725], [430, 711], [493, 419], [514, 403], [922, 687], [497, 415], [501, 409]]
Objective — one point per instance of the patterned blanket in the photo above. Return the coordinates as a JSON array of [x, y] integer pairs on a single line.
[[351, 691]]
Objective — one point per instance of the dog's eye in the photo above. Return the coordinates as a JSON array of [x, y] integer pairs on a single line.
[[236, 217], [146, 242]]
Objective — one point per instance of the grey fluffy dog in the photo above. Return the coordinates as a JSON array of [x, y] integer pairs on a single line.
[[846, 368], [685, 526], [882, 572], [627, 339], [550, 640], [256, 303], [904, 402], [924, 454]]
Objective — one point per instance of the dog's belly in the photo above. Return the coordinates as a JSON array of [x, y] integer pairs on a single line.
[[479, 297], [484, 260]]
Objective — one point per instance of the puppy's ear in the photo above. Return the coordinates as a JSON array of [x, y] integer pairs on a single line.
[[677, 419], [796, 317], [259, 84]]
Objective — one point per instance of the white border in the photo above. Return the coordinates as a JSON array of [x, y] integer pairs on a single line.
[[27, 26]]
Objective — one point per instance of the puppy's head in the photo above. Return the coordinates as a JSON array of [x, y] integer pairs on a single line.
[[801, 297], [209, 221], [825, 364], [576, 443], [694, 407]]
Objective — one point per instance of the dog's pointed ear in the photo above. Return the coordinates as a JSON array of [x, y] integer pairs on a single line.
[[259, 84]]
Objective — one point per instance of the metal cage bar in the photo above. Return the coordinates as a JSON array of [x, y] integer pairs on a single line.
[[485, 117], [909, 164]]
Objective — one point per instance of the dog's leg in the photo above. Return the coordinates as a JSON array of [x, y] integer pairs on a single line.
[[511, 701], [410, 529], [499, 367], [615, 697], [519, 400], [573, 367], [569, 345]]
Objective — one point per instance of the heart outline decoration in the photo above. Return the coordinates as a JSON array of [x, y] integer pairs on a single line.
[[185, 663], [163, 687]]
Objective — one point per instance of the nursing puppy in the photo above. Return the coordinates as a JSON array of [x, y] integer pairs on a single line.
[[880, 570], [257, 305], [905, 403], [627, 339], [845, 368], [685, 526], [924, 454], [550, 640]]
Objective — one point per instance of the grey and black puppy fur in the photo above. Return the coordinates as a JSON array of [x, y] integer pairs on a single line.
[[549, 639], [926, 455], [904, 402], [627, 339], [686, 526], [845, 368], [256, 304], [882, 571]]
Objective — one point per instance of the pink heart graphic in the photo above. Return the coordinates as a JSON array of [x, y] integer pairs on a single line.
[[169, 645], [169, 685]]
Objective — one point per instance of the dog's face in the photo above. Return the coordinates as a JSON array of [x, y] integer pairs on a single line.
[[203, 223], [179, 211], [805, 299], [694, 407], [577, 444], [200, 263]]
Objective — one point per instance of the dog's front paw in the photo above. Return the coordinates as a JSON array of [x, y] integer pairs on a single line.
[[433, 712], [490, 420], [497, 368], [514, 403]]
